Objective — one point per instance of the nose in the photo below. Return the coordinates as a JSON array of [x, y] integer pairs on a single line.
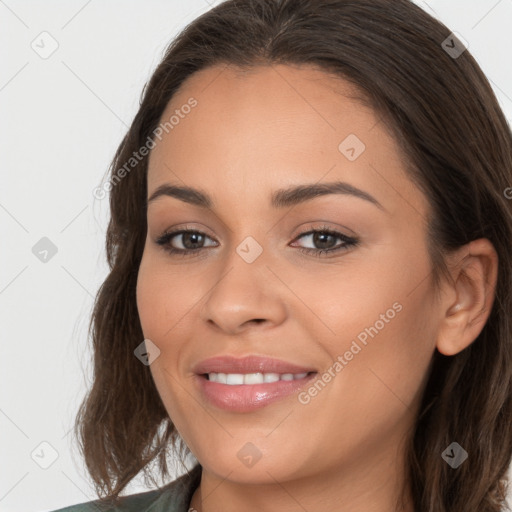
[[244, 295]]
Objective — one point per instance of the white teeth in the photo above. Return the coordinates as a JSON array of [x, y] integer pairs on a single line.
[[252, 378], [217, 377], [234, 378]]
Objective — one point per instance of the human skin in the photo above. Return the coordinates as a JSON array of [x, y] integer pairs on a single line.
[[250, 134]]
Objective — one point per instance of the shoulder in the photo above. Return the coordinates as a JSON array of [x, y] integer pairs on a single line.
[[143, 501], [174, 497]]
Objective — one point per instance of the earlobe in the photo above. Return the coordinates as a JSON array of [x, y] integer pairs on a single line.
[[474, 271]]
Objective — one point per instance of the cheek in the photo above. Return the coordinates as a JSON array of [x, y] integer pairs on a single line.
[[149, 301], [163, 303], [163, 298], [381, 324]]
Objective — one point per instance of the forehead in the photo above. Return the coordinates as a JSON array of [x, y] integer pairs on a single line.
[[272, 96], [272, 126], [280, 109]]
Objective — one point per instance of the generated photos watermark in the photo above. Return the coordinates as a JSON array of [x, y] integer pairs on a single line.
[[305, 397], [143, 151]]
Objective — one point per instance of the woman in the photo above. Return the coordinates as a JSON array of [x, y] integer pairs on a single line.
[[310, 276]]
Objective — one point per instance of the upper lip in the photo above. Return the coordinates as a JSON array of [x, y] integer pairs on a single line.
[[248, 364]]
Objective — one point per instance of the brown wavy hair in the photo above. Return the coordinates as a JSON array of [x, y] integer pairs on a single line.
[[458, 149]]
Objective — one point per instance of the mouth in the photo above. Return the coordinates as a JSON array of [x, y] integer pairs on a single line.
[[250, 379], [244, 393], [245, 384]]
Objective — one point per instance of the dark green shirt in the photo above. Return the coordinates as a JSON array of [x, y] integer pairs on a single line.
[[174, 497]]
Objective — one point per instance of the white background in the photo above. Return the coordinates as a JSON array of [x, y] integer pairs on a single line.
[[61, 120]]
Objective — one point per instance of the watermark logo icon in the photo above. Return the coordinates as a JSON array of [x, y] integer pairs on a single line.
[[454, 455], [454, 45], [147, 352], [45, 45], [249, 454], [352, 147], [44, 455], [249, 249], [44, 250]]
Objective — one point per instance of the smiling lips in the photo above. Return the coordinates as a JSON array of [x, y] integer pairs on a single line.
[[249, 379], [242, 385]]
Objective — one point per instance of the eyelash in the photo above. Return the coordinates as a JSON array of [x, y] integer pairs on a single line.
[[165, 238]]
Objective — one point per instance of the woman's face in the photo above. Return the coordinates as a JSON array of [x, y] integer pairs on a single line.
[[362, 317]]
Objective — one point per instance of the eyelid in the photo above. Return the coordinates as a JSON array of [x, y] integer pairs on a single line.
[[188, 227], [324, 225]]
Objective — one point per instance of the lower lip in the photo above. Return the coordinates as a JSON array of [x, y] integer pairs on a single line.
[[248, 397]]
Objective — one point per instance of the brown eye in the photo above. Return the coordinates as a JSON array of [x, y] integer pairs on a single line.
[[324, 241], [191, 239], [188, 241]]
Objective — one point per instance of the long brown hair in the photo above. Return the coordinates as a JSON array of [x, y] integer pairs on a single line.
[[458, 148]]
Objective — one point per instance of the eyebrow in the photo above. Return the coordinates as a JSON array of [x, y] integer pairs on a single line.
[[281, 198]]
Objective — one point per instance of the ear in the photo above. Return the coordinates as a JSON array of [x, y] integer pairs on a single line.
[[468, 303]]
